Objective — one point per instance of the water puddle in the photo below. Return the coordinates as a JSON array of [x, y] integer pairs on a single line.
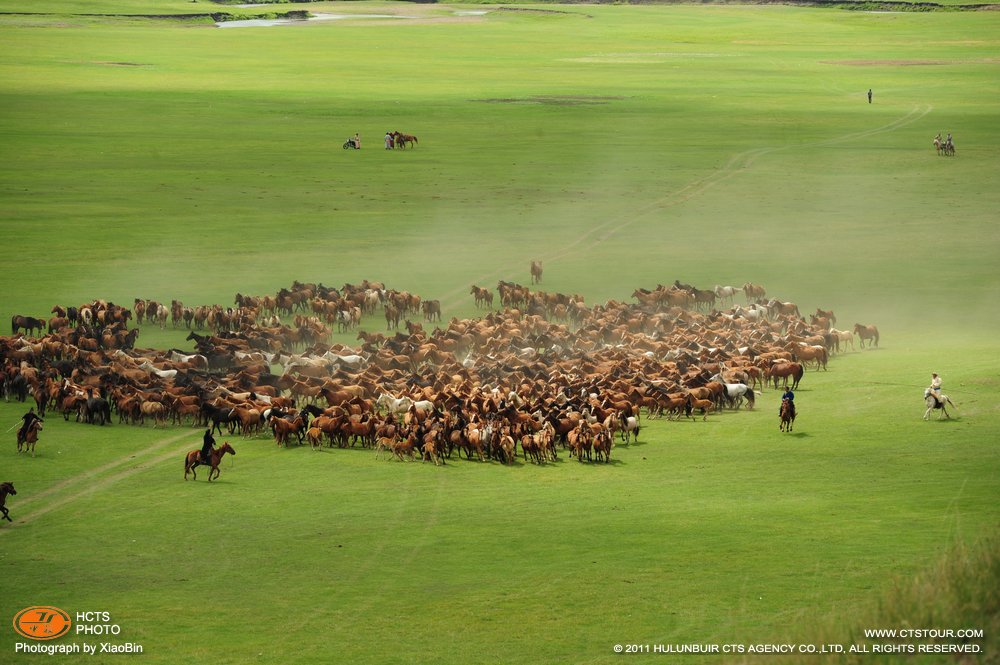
[[265, 23]]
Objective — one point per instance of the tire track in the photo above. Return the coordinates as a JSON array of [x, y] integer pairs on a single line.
[[102, 482], [736, 165]]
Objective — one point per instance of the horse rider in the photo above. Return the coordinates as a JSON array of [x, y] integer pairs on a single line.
[[30, 418], [790, 396], [206, 447], [935, 387], [948, 142]]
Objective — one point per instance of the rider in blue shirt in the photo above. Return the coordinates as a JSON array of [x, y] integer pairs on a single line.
[[790, 396]]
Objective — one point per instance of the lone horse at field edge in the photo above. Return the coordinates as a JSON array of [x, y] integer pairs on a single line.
[[536, 272], [5, 489], [933, 402], [787, 415], [869, 333], [193, 459]]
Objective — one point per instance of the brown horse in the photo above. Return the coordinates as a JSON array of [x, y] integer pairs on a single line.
[[783, 371], [29, 323], [30, 438], [193, 459], [787, 416], [869, 333], [5, 489], [402, 139], [536, 272]]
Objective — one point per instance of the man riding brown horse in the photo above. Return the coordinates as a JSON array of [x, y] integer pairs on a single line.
[[30, 418]]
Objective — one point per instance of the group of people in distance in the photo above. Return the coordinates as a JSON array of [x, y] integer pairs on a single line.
[[390, 140], [947, 144]]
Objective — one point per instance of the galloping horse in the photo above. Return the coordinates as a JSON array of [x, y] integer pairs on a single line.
[[933, 402], [869, 333], [787, 416], [5, 489], [536, 272], [30, 438], [193, 459]]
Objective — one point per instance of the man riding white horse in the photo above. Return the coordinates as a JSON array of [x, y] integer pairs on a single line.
[[935, 387]]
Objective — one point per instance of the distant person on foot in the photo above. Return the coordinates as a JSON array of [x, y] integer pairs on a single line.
[[869, 95]]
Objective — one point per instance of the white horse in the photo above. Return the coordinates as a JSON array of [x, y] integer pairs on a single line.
[[629, 426], [354, 361], [737, 392], [162, 373], [724, 293], [394, 404], [933, 402]]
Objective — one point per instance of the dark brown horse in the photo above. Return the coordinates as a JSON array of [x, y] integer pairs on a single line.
[[787, 415], [29, 323], [5, 489], [193, 459], [30, 438]]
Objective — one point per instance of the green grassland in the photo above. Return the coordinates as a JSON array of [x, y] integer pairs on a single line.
[[625, 147]]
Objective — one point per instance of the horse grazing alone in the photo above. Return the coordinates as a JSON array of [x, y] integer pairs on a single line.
[[933, 402], [5, 489], [30, 438], [787, 415], [869, 333], [193, 459]]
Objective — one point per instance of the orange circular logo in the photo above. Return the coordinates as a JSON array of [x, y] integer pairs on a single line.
[[42, 622]]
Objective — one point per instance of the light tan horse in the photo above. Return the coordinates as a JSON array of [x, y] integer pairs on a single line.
[[536, 272]]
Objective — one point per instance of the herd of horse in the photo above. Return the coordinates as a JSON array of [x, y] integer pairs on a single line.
[[543, 373]]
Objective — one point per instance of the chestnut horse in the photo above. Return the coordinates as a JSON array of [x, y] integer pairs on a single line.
[[787, 416], [783, 371], [402, 139], [869, 333], [193, 459], [5, 489]]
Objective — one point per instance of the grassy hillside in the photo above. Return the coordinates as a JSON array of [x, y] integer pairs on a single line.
[[624, 147]]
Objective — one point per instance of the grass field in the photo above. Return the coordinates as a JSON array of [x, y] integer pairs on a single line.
[[624, 147]]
